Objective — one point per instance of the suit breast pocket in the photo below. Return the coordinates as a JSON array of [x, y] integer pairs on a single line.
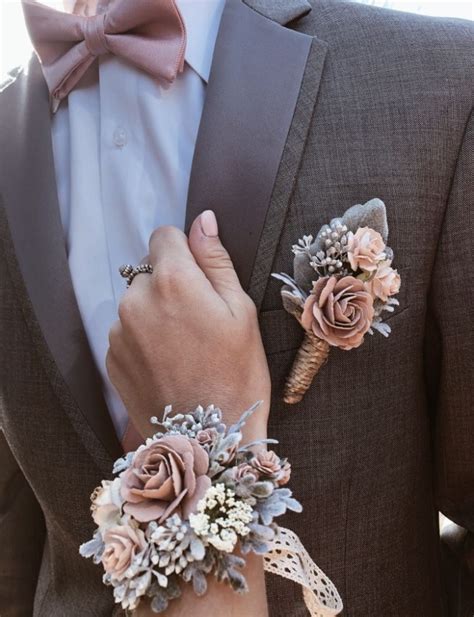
[[393, 316]]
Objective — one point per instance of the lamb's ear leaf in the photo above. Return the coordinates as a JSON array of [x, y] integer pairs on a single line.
[[303, 273], [371, 214]]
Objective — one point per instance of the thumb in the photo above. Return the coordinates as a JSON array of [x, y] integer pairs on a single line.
[[212, 257]]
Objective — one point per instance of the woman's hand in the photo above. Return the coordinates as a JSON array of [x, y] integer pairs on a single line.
[[188, 333]]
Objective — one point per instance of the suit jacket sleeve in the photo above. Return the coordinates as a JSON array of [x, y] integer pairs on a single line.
[[449, 361], [22, 537]]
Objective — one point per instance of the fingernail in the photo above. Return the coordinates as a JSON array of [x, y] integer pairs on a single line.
[[209, 224]]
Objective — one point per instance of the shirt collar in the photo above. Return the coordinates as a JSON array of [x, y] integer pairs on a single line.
[[201, 18]]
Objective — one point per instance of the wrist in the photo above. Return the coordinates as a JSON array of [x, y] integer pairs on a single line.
[[255, 428]]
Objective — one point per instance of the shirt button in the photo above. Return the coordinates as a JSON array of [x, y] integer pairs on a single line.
[[120, 137]]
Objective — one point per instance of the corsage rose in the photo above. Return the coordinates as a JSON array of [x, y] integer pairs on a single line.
[[122, 543], [269, 464], [165, 477], [107, 503]]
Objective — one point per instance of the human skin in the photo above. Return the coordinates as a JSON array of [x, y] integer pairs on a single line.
[[189, 334]]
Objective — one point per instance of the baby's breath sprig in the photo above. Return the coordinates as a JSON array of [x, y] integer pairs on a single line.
[[222, 518]]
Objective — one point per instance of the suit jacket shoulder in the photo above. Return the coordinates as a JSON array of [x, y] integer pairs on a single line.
[[385, 44]]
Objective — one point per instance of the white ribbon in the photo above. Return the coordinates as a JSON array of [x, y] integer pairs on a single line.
[[289, 558]]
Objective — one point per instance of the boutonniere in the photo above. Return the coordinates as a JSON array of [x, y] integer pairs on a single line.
[[342, 283]]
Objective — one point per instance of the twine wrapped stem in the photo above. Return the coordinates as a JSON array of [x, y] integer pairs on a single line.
[[311, 356]]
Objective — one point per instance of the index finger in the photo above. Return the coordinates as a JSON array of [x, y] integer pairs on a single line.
[[169, 243], [169, 252]]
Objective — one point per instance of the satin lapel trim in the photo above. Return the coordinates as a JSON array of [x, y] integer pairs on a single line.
[[251, 98], [288, 171], [28, 188]]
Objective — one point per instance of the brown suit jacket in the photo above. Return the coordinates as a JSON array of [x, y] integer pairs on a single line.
[[307, 113]]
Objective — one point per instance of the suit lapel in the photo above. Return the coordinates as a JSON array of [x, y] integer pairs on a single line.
[[29, 195], [260, 98], [287, 171], [261, 93]]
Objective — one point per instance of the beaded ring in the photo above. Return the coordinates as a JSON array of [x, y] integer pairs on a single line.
[[129, 272]]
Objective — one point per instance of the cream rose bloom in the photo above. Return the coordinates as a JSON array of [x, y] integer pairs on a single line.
[[365, 249], [385, 282], [107, 503]]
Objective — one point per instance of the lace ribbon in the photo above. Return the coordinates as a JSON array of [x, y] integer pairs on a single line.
[[289, 559]]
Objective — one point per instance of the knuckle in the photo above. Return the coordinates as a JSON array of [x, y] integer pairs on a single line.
[[126, 308], [163, 277], [250, 310], [115, 334], [251, 327], [165, 233], [112, 367], [245, 323]]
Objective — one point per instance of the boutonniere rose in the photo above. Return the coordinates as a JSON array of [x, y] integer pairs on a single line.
[[342, 282], [339, 311]]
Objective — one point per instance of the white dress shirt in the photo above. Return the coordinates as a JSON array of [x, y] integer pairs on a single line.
[[123, 147]]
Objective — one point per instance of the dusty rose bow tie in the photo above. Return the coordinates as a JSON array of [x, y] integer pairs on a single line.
[[148, 33]]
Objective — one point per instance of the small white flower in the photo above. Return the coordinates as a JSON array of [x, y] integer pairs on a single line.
[[199, 523], [221, 518]]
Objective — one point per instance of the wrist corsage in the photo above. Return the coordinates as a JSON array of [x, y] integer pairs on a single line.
[[191, 502], [342, 283]]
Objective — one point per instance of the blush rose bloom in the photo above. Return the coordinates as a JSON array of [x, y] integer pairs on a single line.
[[269, 464], [207, 437], [166, 477], [385, 283], [339, 311], [122, 544], [365, 249], [243, 470]]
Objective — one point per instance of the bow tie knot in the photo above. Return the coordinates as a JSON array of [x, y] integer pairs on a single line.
[[93, 28], [149, 34]]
